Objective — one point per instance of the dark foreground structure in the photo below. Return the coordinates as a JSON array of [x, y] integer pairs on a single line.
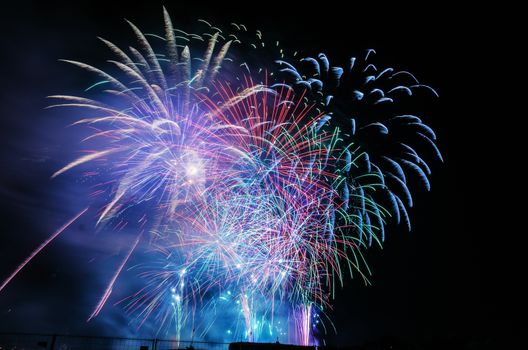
[[267, 346], [25, 341]]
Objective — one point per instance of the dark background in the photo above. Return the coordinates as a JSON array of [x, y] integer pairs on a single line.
[[448, 280]]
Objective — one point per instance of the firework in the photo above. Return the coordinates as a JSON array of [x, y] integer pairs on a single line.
[[257, 194], [371, 106]]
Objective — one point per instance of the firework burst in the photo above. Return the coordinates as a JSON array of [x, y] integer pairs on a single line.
[[253, 186]]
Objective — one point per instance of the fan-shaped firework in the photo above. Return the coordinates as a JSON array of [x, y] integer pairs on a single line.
[[369, 105], [257, 187]]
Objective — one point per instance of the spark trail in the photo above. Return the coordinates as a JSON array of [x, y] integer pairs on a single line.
[[110, 286], [42, 246]]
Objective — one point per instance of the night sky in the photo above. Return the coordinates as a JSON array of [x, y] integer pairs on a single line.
[[440, 281]]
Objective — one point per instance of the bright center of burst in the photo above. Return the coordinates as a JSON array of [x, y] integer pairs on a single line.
[[192, 170]]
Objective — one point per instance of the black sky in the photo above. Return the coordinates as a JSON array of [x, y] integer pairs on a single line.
[[439, 281]]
